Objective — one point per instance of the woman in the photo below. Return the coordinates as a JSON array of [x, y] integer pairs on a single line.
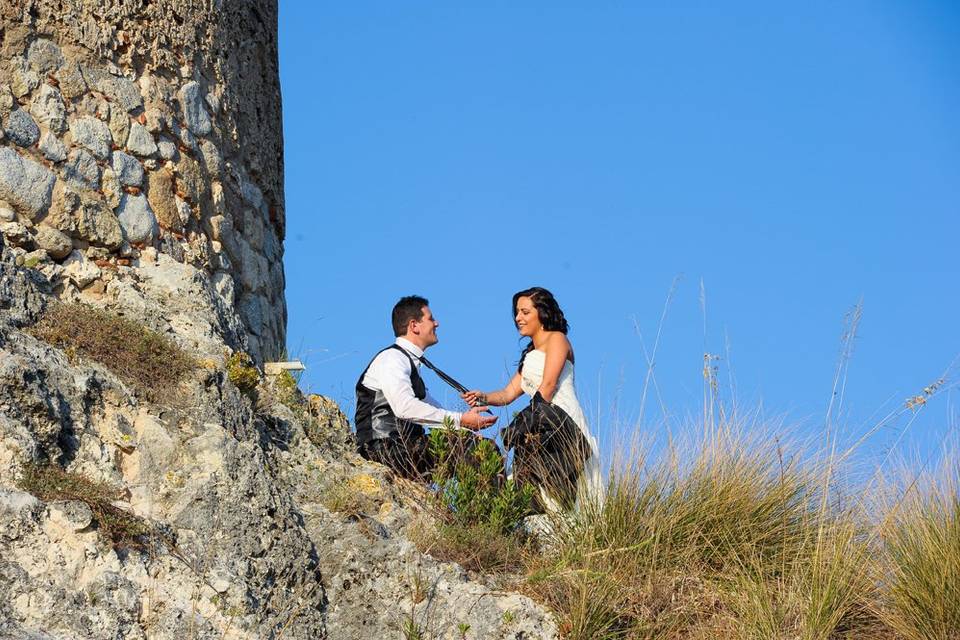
[[552, 445]]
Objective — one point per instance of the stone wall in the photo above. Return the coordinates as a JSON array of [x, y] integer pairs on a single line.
[[137, 127]]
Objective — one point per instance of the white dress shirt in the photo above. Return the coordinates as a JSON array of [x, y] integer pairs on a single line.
[[390, 373]]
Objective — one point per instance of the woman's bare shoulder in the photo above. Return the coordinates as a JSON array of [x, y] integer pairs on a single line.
[[558, 340]]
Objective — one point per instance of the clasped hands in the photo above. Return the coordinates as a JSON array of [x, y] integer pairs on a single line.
[[474, 419]]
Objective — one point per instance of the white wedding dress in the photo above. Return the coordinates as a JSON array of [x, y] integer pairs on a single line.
[[590, 486]]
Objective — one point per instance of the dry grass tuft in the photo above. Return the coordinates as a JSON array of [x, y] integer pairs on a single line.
[[920, 566], [480, 548], [123, 529], [149, 362], [721, 537]]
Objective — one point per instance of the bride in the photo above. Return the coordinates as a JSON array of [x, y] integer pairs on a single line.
[[552, 445]]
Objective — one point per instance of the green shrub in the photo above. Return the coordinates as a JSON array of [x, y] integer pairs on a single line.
[[470, 481], [153, 364]]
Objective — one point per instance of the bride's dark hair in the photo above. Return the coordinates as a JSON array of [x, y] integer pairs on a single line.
[[551, 316]]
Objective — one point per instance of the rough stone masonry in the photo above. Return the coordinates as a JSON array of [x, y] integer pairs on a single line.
[[137, 127]]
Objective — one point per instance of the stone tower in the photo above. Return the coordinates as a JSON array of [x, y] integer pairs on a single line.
[[147, 130]]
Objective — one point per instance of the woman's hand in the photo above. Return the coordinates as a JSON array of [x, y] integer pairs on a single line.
[[474, 398]]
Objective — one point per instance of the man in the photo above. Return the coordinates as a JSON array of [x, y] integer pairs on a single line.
[[392, 399]]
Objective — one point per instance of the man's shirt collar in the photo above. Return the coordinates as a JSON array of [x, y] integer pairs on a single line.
[[414, 350]]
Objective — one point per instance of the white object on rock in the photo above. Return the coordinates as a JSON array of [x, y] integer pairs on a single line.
[[276, 368]]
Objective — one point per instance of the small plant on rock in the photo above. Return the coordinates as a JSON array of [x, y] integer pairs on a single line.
[[287, 392], [411, 630], [120, 527], [242, 372]]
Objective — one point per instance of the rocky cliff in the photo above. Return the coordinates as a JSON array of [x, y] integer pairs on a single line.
[[247, 515], [141, 176]]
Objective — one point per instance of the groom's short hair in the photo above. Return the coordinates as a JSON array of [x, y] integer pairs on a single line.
[[407, 308]]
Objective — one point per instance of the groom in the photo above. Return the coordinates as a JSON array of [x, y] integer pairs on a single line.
[[392, 399]]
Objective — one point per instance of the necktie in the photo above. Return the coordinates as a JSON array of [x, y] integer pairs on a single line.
[[443, 376]]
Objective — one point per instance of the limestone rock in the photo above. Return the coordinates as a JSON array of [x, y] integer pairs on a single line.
[[140, 142], [119, 124], [81, 170], [71, 80], [190, 179], [121, 91], [80, 269], [156, 120], [127, 169], [211, 159], [184, 210], [160, 194], [6, 101], [194, 111], [51, 148], [16, 234], [21, 128], [49, 110], [168, 150], [252, 267], [253, 229], [253, 309], [97, 225], [186, 139], [223, 283], [44, 56], [72, 515], [26, 185], [93, 134], [213, 101], [55, 243], [111, 187], [137, 219], [65, 200], [251, 193], [23, 79]]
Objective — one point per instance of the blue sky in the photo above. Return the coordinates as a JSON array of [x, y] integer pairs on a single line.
[[794, 160]]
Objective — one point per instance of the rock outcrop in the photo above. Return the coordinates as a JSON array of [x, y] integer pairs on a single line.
[[141, 174], [240, 490]]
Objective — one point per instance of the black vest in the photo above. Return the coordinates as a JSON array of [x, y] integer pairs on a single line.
[[374, 419]]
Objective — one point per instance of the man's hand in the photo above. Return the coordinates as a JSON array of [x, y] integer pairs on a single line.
[[474, 421]]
